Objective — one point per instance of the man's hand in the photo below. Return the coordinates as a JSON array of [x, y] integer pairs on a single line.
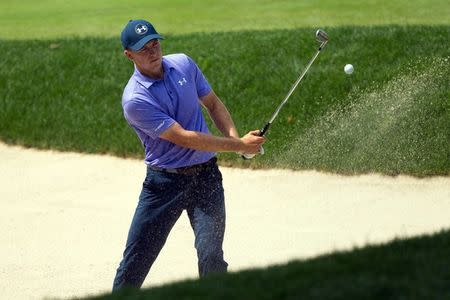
[[252, 142]]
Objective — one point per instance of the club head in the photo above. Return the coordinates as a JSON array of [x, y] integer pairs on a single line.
[[321, 36]]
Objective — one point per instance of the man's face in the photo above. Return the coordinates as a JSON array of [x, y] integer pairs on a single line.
[[149, 57]]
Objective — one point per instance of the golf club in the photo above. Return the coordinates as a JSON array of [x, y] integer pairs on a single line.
[[322, 38]]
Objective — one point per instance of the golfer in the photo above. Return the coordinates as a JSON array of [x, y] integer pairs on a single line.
[[162, 103]]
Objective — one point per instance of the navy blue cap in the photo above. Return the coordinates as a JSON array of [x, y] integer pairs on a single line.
[[137, 33]]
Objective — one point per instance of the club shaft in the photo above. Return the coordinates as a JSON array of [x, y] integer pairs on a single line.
[[294, 86], [263, 131]]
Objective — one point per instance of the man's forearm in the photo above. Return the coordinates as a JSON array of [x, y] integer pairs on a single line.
[[250, 143], [206, 142], [223, 121]]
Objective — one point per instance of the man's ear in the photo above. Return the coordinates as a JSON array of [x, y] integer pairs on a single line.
[[127, 54]]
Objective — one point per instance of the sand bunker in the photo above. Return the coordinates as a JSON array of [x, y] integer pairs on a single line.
[[65, 217]]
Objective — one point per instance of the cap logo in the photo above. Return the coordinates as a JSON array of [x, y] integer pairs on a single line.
[[141, 29]]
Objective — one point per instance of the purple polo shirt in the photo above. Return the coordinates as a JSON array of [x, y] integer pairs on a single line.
[[151, 106]]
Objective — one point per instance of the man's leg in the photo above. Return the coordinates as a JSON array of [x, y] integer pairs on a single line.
[[207, 216], [160, 206]]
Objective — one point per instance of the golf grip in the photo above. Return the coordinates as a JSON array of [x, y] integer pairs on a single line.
[[262, 132]]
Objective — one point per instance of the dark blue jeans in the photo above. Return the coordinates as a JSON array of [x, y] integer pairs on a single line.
[[163, 198]]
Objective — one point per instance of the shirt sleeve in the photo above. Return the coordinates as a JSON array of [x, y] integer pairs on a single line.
[[147, 117], [202, 85]]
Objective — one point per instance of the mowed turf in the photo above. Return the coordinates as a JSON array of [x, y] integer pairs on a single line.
[[416, 268], [27, 19], [65, 94]]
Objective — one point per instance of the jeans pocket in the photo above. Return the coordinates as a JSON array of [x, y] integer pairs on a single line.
[[148, 181], [159, 181]]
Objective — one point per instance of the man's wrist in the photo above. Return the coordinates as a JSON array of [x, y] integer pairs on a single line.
[[234, 134]]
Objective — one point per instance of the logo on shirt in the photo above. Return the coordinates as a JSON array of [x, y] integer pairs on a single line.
[[141, 29], [182, 81], [160, 125]]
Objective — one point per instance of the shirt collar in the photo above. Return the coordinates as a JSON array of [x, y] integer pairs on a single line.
[[147, 81]]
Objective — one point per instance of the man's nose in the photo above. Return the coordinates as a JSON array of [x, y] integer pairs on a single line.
[[152, 50]]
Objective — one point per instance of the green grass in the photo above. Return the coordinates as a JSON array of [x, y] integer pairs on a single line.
[[416, 268], [62, 76], [45, 19], [68, 98]]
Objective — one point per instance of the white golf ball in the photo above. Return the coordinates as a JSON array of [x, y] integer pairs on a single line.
[[348, 69]]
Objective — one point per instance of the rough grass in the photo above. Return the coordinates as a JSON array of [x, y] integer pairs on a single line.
[[383, 129], [65, 94]]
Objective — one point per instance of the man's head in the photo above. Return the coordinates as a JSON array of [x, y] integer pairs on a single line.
[[137, 33], [140, 42]]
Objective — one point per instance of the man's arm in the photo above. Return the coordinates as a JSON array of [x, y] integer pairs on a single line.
[[230, 142], [250, 143], [219, 114]]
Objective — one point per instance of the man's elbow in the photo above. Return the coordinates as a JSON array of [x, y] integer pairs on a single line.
[[177, 135]]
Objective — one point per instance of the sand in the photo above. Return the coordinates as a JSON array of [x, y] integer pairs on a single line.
[[65, 217]]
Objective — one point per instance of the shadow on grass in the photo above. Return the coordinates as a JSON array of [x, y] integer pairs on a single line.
[[414, 268]]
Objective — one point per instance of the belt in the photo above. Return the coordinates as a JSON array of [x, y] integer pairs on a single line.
[[189, 170]]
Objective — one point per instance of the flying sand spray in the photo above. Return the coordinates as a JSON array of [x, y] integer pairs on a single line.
[[322, 38]]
